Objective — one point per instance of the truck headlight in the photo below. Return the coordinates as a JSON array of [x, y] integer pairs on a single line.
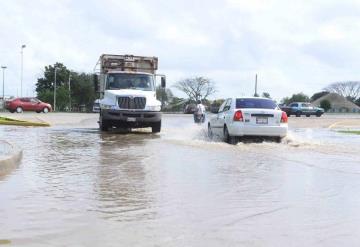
[[154, 108], [105, 107]]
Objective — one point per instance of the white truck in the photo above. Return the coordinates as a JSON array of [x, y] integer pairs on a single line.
[[127, 89]]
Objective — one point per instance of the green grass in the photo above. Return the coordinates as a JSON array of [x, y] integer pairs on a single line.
[[354, 132], [10, 121]]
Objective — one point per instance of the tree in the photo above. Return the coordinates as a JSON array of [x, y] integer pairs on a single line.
[[318, 95], [82, 90], [347, 89], [325, 104], [81, 87], [357, 101], [164, 95], [47, 82], [266, 95], [197, 88], [299, 97]]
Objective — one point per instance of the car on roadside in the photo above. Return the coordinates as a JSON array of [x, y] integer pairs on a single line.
[[96, 106], [242, 117], [27, 104], [302, 108]]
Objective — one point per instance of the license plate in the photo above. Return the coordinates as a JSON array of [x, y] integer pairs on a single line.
[[261, 120], [131, 119]]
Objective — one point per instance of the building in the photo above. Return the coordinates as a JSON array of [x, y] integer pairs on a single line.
[[339, 104]]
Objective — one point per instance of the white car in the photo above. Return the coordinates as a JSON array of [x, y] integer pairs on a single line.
[[252, 116]]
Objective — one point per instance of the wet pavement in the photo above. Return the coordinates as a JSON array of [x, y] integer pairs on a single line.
[[76, 186]]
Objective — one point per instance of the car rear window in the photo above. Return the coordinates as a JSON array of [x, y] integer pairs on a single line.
[[255, 103]]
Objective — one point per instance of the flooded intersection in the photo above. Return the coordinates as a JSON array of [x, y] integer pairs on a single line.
[[76, 186]]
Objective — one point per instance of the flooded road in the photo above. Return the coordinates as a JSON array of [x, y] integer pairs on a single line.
[[76, 186]]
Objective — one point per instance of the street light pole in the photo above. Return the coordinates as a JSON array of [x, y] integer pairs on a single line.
[[22, 67], [56, 68], [69, 91], [3, 96]]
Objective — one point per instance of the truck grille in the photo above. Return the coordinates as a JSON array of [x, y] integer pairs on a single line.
[[132, 102]]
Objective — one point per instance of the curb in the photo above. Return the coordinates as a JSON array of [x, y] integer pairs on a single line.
[[10, 160]]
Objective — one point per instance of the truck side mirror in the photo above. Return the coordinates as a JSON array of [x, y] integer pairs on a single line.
[[163, 81], [96, 82]]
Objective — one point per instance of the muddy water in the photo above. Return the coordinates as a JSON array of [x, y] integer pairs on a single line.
[[78, 187]]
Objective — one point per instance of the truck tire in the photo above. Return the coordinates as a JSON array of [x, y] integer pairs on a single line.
[[103, 124], [156, 127]]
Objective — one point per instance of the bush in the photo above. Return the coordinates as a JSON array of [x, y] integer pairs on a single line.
[[325, 104]]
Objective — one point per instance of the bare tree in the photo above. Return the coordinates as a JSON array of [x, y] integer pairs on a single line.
[[197, 88], [348, 89]]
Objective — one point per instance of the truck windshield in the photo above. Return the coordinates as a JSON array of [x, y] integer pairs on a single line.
[[130, 81], [255, 103]]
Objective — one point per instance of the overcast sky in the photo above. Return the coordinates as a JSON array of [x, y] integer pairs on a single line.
[[294, 46]]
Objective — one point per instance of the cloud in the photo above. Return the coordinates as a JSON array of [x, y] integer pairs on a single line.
[[293, 46]]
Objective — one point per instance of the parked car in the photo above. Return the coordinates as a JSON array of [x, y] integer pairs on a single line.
[[243, 117], [96, 106], [302, 108], [27, 104]]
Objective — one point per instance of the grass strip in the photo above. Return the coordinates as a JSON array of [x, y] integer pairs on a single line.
[[354, 132], [10, 121]]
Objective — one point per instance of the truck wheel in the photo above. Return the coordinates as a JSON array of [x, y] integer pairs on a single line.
[[156, 127], [103, 124]]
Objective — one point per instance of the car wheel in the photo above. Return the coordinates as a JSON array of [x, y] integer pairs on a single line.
[[278, 139], [19, 109], [156, 128], [103, 124], [228, 138], [210, 133], [307, 115], [45, 110], [298, 114], [318, 114], [11, 111]]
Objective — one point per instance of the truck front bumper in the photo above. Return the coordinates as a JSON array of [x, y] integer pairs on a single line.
[[131, 119]]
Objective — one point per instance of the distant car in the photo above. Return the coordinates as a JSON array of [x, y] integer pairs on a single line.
[[27, 104], [96, 106], [190, 108], [302, 108], [243, 117]]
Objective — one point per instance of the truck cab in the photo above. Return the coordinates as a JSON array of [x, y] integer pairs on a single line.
[[127, 88]]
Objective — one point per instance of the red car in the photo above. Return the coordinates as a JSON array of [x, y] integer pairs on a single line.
[[27, 104]]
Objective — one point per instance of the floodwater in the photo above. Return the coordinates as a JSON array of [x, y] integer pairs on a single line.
[[76, 186]]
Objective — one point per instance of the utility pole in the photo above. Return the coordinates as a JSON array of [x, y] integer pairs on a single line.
[[256, 95], [22, 67], [55, 89], [3, 86], [69, 91]]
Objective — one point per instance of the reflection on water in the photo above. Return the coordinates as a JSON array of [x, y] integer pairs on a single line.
[[121, 182], [79, 187]]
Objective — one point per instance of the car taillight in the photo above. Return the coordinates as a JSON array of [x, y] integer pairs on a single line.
[[238, 116], [284, 117]]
